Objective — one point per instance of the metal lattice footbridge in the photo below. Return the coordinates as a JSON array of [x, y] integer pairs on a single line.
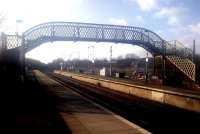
[[175, 52]]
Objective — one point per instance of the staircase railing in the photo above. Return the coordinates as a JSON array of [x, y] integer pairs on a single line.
[[178, 49]]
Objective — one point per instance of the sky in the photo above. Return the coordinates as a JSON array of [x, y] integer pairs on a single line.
[[171, 19]]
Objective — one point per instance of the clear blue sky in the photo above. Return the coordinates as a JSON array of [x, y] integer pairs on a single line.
[[172, 19]]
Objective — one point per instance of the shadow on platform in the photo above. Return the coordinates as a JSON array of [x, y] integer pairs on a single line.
[[36, 109]]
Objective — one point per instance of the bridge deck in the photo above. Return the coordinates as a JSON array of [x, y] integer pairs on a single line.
[[84, 116]]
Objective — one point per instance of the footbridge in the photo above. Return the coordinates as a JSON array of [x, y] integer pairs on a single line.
[[174, 52]]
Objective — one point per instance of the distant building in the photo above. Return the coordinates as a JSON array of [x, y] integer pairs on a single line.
[[104, 71]]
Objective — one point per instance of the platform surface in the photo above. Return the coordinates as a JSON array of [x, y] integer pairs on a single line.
[[83, 116], [144, 84]]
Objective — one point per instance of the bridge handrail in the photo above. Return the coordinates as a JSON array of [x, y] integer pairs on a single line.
[[92, 25], [177, 48]]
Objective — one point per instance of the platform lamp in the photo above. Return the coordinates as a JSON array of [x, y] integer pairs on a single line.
[[110, 61], [146, 67]]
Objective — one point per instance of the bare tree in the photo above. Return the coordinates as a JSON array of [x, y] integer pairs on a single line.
[[131, 56]]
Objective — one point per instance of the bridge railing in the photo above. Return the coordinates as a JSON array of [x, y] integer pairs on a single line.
[[13, 41], [10, 41], [178, 49], [90, 32]]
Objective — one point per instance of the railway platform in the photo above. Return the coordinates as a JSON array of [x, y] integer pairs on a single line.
[[180, 98], [83, 116]]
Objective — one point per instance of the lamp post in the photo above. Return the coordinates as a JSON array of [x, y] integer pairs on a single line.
[[110, 61], [92, 56], [146, 67], [22, 53], [17, 29]]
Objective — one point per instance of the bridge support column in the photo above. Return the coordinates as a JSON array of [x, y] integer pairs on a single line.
[[163, 62], [154, 65], [163, 69], [158, 66], [22, 59], [22, 62]]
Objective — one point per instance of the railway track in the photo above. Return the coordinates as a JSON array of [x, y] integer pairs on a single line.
[[153, 116]]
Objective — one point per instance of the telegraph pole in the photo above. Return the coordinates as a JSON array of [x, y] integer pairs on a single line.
[[110, 61]]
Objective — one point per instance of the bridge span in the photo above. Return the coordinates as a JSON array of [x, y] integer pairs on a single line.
[[179, 56]]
